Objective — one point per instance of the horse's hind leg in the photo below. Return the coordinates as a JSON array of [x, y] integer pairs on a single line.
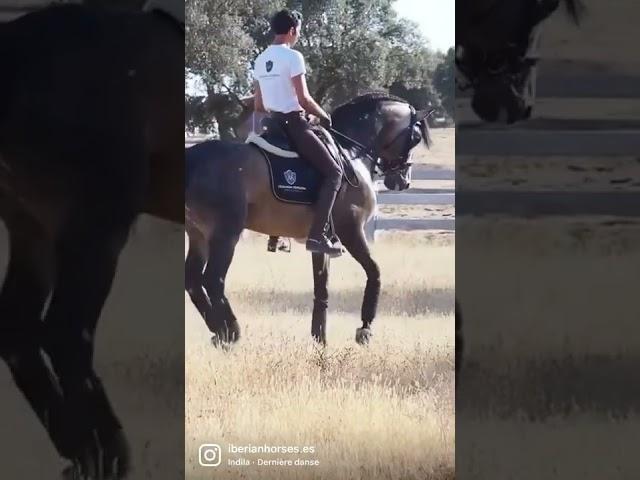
[[194, 273], [320, 297], [26, 288], [221, 320], [86, 264]]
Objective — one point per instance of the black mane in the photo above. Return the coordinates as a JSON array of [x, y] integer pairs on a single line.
[[365, 103]]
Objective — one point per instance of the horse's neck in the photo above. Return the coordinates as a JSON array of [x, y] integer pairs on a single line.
[[363, 167], [364, 164]]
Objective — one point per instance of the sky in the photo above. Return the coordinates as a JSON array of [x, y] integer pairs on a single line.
[[436, 19]]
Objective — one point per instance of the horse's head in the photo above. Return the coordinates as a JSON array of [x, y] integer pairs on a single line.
[[390, 128], [496, 52]]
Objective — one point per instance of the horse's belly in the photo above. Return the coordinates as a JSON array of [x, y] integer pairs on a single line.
[[273, 217]]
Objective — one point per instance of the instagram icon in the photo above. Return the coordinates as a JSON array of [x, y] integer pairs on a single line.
[[209, 455]]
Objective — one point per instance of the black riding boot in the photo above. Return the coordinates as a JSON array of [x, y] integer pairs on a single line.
[[318, 241]]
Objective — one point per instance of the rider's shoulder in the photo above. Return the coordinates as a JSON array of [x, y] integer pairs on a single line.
[[297, 54]]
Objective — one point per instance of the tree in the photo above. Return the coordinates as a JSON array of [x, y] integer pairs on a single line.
[[351, 46], [444, 82]]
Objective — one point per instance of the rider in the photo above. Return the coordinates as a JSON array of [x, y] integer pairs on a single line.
[[281, 90]]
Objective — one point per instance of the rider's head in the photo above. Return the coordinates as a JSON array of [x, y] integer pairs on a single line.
[[286, 23]]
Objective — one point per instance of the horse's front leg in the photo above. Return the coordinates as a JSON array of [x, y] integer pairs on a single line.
[[320, 297], [356, 245]]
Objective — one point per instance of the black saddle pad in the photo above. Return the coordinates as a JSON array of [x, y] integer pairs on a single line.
[[293, 180]]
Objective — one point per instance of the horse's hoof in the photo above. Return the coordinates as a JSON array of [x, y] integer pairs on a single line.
[[109, 461], [363, 336], [217, 342]]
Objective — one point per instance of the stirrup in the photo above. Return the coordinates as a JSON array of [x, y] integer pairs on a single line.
[[323, 245], [278, 244]]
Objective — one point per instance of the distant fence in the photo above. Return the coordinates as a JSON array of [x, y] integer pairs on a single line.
[[434, 197], [563, 138]]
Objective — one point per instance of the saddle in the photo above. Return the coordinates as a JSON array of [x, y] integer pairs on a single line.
[[293, 180]]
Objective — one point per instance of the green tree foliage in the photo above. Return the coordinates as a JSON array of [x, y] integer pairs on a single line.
[[350, 46], [444, 81]]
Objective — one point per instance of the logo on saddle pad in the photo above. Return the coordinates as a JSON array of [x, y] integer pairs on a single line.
[[290, 177], [269, 66]]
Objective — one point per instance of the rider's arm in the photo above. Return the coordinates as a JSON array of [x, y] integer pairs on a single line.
[[258, 106], [305, 99], [298, 70]]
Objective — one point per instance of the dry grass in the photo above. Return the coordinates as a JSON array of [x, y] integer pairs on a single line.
[[380, 412], [551, 343]]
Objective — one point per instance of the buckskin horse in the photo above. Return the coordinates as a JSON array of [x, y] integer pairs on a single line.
[[496, 53], [91, 115], [233, 186]]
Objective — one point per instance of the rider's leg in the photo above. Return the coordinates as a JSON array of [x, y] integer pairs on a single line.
[[310, 146]]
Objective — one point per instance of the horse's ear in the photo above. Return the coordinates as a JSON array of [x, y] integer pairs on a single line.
[[422, 114]]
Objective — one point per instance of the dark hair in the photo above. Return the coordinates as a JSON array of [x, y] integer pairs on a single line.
[[285, 20]]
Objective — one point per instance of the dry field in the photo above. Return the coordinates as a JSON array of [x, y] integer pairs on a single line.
[[381, 412]]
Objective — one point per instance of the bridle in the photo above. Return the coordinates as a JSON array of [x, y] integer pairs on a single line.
[[378, 164]]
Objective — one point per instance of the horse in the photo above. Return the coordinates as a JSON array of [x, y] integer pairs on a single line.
[[228, 189], [496, 53], [91, 114]]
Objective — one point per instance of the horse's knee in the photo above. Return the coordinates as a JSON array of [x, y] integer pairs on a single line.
[[192, 279], [71, 354], [373, 273]]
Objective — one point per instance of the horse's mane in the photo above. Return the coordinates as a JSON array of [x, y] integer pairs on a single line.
[[365, 102]]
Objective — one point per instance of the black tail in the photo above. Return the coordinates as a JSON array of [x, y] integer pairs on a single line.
[[207, 151]]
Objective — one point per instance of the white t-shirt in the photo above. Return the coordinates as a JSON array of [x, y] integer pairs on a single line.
[[274, 68]]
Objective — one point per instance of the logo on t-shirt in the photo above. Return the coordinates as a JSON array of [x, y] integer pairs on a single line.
[[269, 66]]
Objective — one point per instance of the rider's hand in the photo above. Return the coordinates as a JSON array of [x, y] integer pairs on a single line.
[[326, 122]]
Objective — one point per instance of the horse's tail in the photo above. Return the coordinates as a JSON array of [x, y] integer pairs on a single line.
[[190, 163], [196, 155]]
